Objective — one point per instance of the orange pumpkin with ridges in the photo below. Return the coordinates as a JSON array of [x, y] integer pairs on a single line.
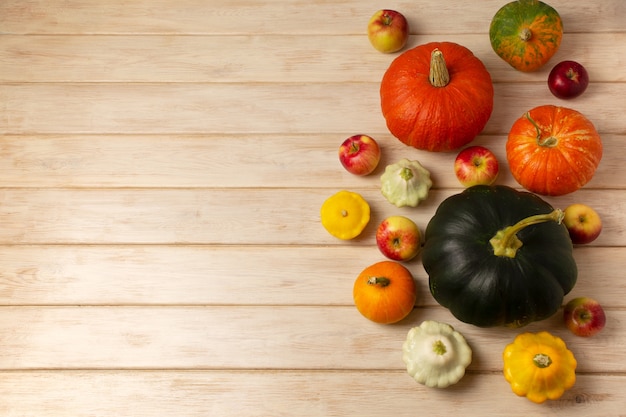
[[553, 150], [437, 96]]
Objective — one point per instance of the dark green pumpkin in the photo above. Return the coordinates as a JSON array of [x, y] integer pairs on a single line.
[[481, 287]]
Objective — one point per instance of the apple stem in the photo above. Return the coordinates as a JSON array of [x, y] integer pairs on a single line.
[[506, 243], [572, 75], [439, 75], [382, 281]]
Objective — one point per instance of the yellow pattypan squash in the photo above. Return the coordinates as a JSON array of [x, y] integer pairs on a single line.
[[539, 366], [345, 214]]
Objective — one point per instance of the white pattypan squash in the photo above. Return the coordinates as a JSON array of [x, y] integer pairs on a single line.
[[405, 183]]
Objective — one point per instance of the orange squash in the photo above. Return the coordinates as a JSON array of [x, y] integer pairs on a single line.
[[437, 96], [526, 34], [553, 150], [385, 292]]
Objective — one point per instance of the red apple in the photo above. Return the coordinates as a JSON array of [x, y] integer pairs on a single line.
[[476, 165], [359, 154], [398, 238], [583, 223], [568, 79], [388, 31], [584, 316]]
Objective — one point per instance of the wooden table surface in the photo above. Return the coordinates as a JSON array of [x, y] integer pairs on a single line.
[[162, 166]]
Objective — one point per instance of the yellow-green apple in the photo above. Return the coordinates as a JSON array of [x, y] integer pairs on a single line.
[[568, 79], [359, 154], [388, 31], [584, 316], [583, 223], [398, 238], [476, 165]]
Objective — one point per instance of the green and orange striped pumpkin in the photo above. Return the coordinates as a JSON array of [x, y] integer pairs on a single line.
[[526, 34]]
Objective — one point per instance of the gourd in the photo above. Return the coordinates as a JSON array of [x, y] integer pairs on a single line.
[[539, 366], [497, 256], [526, 34], [553, 150], [437, 96], [385, 292], [345, 214], [435, 354], [405, 183]]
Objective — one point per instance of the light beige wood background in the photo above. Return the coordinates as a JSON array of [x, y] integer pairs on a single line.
[[162, 164]]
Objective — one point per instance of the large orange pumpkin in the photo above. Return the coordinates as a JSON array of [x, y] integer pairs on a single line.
[[385, 292], [553, 150], [437, 96]]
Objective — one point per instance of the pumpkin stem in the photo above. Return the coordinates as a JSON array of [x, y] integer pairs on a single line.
[[506, 242], [439, 75], [382, 281], [549, 142], [525, 34]]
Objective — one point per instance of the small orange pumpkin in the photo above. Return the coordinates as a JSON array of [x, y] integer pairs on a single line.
[[553, 150], [437, 96], [385, 292]]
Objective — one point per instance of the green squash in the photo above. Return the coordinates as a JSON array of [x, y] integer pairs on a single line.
[[497, 256], [526, 34]]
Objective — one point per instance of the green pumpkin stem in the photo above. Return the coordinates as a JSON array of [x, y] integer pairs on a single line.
[[382, 281], [549, 142], [439, 75], [506, 242]]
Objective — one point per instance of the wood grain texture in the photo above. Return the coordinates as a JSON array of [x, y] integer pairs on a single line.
[[75, 108], [256, 337], [162, 166], [221, 216], [285, 394], [152, 275], [256, 58], [269, 17], [232, 161]]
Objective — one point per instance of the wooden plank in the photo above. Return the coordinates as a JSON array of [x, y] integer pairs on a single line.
[[211, 275], [162, 167], [235, 17], [253, 108], [259, 58], [258, 337], [287, 394], [221, 216], [234, 161]]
